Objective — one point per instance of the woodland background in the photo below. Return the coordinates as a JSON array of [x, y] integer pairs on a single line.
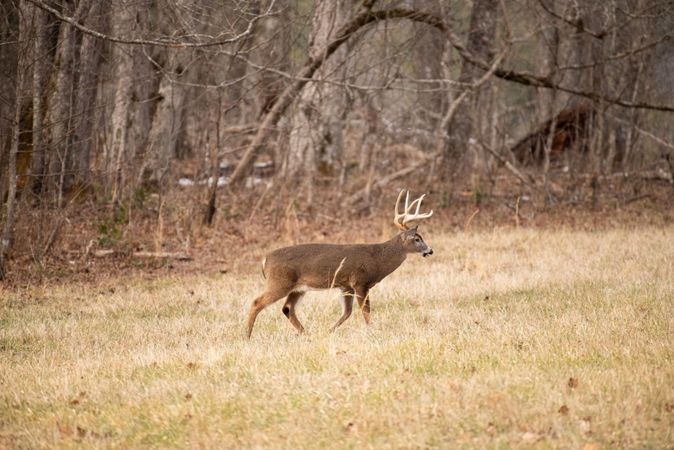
[[165, 129]]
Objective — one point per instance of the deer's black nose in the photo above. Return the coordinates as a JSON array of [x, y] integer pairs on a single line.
[[428, 253]]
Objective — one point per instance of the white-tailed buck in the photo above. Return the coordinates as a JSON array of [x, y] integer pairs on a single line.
[[354, 269]]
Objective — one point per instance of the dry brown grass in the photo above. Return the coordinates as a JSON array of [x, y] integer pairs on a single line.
[[510, 338]]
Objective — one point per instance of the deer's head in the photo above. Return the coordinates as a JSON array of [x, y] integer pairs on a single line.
[[414, 243], [412, 240]]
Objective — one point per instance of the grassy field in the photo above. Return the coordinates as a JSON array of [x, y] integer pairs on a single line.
[[510, 338]]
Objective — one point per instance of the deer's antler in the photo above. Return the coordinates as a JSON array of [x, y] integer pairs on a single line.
[[402, 219]]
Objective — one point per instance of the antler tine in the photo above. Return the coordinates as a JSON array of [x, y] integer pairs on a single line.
[[416, 202], [402, 219], [416, 216], [398, 217]]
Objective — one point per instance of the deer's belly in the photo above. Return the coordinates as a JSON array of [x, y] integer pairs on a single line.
[[305, 287]]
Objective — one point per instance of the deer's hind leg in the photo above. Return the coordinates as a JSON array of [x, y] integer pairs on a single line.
[[289, 310], [261, 303], [347, 307]]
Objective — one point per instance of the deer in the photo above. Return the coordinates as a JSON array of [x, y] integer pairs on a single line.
[[353, 268]]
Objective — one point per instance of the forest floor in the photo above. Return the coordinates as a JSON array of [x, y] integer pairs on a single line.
[[505, 337], [83, 243]]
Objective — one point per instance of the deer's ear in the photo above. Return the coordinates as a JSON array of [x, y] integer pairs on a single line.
[[409, 234]]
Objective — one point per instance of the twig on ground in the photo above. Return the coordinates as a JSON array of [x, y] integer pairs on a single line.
[[470, 219], [180, 256], [528, 180]]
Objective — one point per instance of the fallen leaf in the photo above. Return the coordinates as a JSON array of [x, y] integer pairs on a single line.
[[65, 430], [585, 425], [530, 437], [81, 432], [74, 402], [564, 410], [192, 365], [188, 396], [573, 383]]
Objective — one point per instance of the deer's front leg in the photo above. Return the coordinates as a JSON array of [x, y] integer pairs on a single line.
[[347, 304], [362, 295]]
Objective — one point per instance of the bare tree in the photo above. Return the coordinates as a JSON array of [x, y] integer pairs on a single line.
[[8, 226], [123, 18], [167, 121], [89, 60], [480, 43], [41, 58], [60, 112], [316, 141]]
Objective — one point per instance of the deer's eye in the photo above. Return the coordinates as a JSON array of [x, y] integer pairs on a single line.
[[416, 239]]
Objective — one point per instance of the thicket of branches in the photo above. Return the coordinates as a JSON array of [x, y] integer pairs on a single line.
[[112, 100]]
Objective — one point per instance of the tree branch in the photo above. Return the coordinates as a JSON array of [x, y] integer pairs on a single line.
[[159, 43], [367, 17]]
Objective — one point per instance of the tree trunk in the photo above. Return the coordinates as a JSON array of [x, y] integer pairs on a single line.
[[144, 92], [431, 46], [599, 136], [61, 105], [167, 122], [8, 227], [59, 110], [316, 136], [271, 45], [548, 97], [122, 22], [481, 36], [40, 74], [89, 62], [625, 136]]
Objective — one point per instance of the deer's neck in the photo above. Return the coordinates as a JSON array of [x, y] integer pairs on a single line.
[[392, 254]]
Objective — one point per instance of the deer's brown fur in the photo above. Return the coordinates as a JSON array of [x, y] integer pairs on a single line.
[[354, 269]]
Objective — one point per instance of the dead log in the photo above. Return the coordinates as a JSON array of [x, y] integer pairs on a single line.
[[569, 133]]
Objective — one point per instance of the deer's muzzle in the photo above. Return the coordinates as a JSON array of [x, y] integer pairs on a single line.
[[428, 252]]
